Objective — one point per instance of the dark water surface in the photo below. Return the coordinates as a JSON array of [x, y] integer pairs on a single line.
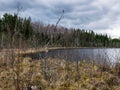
[[97, 54]]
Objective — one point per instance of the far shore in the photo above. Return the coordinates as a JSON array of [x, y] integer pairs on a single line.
[[42, 49]]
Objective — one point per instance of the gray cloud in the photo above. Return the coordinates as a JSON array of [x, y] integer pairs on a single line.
[[98, 15]]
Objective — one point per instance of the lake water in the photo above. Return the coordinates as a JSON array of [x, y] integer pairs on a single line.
[[98, 54]]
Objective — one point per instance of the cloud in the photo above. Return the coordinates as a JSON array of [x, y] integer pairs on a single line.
[[98, 15]]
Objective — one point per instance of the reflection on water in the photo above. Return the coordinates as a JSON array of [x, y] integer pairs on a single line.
[[109, 55]]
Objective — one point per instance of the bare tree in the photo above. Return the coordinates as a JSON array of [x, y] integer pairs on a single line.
[[51, 40]]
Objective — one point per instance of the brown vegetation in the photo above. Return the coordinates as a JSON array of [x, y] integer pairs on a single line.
[[54, 74]]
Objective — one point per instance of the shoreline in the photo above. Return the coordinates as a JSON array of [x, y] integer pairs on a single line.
[[42, 49]]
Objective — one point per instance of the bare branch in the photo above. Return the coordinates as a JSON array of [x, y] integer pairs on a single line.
[[61, 17], [19, 8]]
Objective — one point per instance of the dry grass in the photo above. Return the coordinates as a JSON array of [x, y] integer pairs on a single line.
[[53, 74]]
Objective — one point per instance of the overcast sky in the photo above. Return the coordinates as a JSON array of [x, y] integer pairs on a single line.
[[102, 16]]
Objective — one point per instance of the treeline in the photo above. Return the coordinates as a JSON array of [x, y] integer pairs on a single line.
[[73, 37], [13, 29], [16, 31]]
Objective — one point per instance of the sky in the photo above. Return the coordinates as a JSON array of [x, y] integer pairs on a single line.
[[101, 16]]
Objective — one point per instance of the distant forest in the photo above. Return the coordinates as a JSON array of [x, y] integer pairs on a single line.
[[15, 31]]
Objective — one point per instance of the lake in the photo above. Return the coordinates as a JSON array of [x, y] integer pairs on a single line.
[[110, 55]]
